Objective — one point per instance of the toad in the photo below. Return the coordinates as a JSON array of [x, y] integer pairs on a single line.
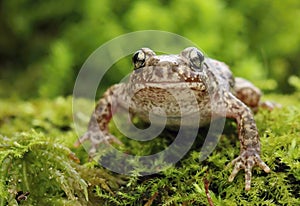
[[157, 78]]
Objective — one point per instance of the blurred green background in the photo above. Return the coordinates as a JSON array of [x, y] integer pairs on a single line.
[[43, 44]]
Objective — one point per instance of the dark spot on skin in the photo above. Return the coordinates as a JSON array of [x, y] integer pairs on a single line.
[[159, 72]]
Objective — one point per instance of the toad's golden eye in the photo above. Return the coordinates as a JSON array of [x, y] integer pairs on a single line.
[[138, 59]]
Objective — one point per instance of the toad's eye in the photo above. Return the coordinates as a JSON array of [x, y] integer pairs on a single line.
[[195, 56], [138, 59]]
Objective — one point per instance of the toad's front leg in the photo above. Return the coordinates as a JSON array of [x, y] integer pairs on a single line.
[[98, 125], [249, 139]]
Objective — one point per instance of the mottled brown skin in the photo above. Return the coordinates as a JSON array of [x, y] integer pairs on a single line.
[[154, 81]]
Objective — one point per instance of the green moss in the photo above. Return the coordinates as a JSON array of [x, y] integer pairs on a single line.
[[40, 161], [30, 163]]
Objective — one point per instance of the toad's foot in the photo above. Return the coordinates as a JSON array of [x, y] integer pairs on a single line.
[[96, 139], [247, 160], [269, 105]]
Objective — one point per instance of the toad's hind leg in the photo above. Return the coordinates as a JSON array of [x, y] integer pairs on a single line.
[[247, 93], [251, 95]]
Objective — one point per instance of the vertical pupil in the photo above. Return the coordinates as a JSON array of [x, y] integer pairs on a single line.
[[135, 57], [201, 56]]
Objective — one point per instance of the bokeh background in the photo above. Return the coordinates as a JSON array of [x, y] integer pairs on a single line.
[[43, 44]]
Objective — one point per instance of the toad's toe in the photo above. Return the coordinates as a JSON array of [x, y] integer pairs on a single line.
[[247, 160]]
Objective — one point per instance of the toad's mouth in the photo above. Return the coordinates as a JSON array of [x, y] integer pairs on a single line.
[[172, 80], [171, 85]]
